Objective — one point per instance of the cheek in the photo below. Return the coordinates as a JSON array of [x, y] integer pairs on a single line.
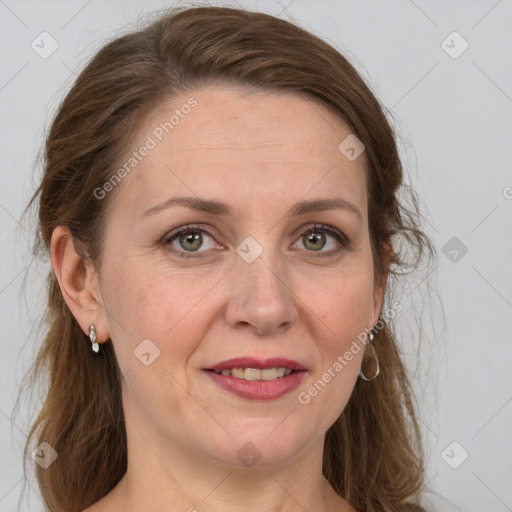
[[344, 305], [349, 313], [142, 302], [350, 308], [343, 312]]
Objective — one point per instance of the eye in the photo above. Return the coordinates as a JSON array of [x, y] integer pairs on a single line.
[[316, 238], [188, 239]]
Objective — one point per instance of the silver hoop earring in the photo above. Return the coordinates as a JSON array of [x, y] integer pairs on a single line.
[[374, 363], [92, 337]]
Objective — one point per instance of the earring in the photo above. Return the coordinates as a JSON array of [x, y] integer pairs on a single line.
[[373, 365], [92, 337]]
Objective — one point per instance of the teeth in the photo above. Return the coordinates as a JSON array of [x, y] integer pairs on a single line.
[[238, 372], [256, 373], [268, 374], [252, 374]]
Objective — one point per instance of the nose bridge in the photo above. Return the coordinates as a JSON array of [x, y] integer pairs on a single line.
[[262, 294]]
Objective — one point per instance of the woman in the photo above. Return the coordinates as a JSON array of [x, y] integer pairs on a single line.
[[220, 207]]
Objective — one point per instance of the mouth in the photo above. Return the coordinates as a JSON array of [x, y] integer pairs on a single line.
[[256, 373], [256, 379]]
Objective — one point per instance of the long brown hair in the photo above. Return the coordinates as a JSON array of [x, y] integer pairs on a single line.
[[373, 454]]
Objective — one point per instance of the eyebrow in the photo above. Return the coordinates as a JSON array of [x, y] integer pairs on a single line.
[[223, 209]]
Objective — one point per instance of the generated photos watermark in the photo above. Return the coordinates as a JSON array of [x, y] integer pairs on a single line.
[[152, 141], [342, 361]]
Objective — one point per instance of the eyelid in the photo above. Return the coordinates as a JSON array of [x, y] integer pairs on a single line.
[[203, 228], [187, 227]]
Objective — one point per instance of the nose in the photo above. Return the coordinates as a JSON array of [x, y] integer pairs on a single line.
[[261, 299]]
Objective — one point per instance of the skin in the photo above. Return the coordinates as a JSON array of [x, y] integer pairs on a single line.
[[260, 153]]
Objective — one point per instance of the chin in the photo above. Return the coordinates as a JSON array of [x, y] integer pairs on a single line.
[[263, 443]]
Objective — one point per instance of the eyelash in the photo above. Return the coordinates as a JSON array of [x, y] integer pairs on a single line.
[[316, 228]]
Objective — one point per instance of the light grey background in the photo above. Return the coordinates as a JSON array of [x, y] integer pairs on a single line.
[[453, 118]]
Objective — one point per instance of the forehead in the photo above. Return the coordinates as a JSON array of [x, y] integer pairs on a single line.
[[248, 148]]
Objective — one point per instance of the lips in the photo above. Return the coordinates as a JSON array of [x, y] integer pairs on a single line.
[[257, 379]]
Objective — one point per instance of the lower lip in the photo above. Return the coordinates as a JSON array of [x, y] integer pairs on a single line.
[[258, 389]]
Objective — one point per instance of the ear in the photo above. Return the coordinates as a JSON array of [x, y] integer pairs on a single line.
[[379, 288], [78, 283]]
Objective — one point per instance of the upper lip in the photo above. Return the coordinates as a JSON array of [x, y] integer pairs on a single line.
[[252, 362]]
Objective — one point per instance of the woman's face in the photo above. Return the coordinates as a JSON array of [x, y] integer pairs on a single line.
[[243, 282]]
